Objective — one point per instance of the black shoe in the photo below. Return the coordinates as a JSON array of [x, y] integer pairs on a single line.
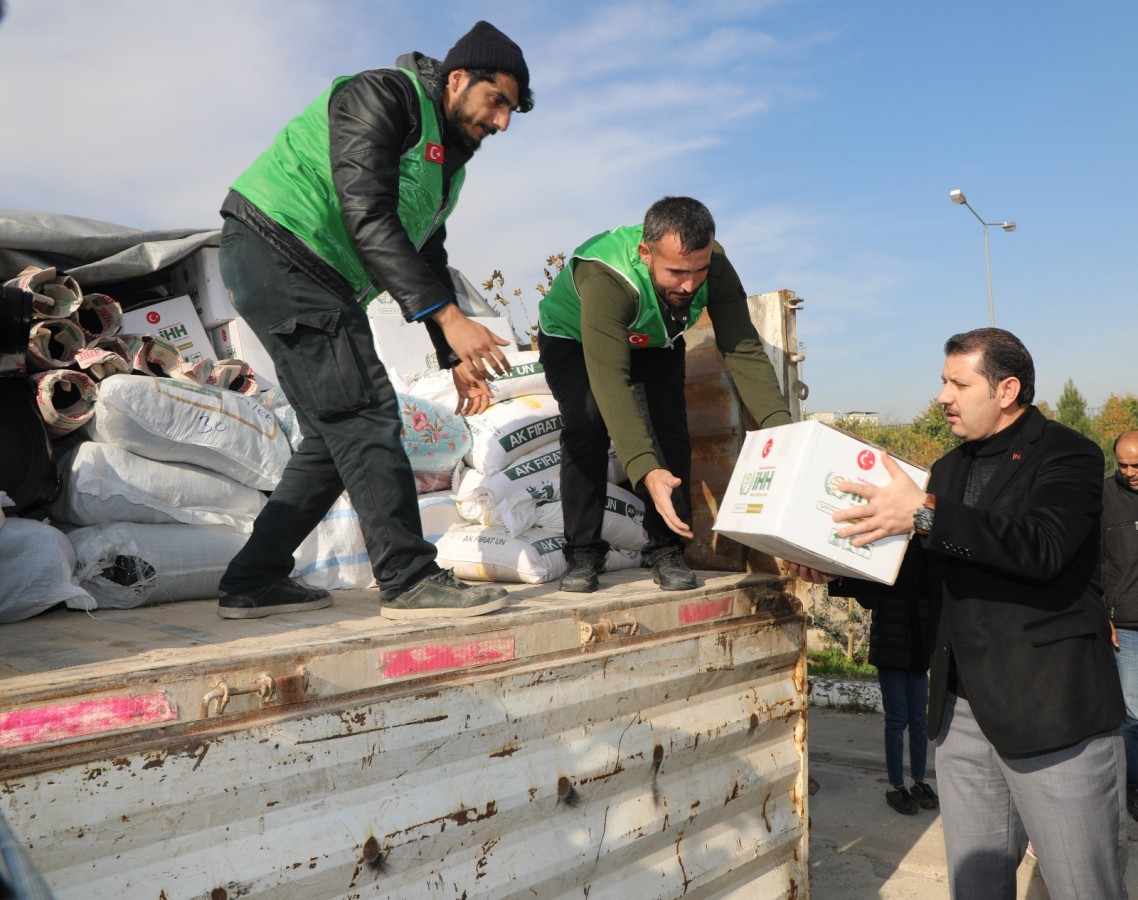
[[583, 569], [284, 595], [443, 596], [671, 572], [901, 800], [924, 795], [1132, 803]]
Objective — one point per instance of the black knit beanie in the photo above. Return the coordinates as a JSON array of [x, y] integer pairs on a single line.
[[485, 47]]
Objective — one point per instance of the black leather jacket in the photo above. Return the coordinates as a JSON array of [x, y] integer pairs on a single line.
[[1120, 551], [372, 121]]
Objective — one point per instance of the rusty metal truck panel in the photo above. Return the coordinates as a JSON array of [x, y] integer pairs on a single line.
[[625, 743]]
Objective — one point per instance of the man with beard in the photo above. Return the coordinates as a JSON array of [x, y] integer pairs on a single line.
[[350, 200], [612, 346], [1024, 696]]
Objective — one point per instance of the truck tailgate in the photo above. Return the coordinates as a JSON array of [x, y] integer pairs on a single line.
[[629, 742]]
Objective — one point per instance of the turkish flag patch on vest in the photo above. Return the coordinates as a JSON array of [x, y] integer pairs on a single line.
[[637, 340], [434, 153]]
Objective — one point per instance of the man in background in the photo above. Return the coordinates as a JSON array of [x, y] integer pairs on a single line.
[[1120, 584]]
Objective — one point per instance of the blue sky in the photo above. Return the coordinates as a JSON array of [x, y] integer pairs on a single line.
[[825, 136]]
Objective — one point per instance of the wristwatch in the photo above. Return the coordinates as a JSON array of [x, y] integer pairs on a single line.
[[923, 517]]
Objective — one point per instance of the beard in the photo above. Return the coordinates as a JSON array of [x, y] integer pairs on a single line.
[[457, 125], [671, 303], [462, 124]]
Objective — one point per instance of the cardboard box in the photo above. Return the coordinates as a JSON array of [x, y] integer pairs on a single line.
[[199, 277], [405, 347], [173, 320], [783, 492], [236, 340]]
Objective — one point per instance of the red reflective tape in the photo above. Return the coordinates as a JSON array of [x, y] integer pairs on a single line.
[[393, 663], [53, 723], [710, 608]]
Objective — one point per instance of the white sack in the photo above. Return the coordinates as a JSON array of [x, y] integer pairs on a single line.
[[438, 511], [512, 429], [334, 556], [526, 376], [622, 524], [175, 421], [105, 483], [486, 553], [37, 572], [125, 564], [536, 475]]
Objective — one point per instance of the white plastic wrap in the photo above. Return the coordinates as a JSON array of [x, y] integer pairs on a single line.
[[124, 564], [37, 572], [174, 421], [107, 483]]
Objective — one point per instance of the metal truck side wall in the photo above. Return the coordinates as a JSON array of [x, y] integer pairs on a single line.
[[661, 766]]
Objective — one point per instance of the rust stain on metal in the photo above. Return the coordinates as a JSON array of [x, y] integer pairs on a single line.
[[508, 750], [421, 721], [800, 679], [464, 816], [290, 688], [680, 860], [766, 817], [754, 724], [219, 893], [601, 776], [733, 795], [566, 793], [480, 865]]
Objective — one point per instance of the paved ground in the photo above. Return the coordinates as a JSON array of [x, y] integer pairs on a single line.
[[860, 849]]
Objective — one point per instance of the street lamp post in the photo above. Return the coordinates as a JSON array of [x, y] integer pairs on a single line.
[[957, 196]]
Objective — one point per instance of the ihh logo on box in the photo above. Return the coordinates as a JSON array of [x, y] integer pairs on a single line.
[[173, 332], [757, 482]]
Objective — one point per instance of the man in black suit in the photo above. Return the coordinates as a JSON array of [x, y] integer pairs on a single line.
[[1024, 701]]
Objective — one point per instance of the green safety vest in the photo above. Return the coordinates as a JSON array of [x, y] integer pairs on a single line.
[[291, 182], [559, 311]]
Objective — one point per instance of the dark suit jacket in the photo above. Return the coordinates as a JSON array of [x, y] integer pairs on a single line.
[[1015, 584]]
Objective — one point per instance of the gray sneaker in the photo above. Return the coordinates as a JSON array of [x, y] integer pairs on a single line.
[[444, 596]]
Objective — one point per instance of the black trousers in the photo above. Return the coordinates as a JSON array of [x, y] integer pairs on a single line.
[[322, 348], [658, 379]]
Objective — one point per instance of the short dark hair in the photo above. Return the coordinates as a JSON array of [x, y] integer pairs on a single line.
[[1002, 355], [525, 95], [684, 217]]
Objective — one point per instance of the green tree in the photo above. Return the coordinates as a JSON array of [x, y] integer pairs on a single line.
[[922, 442], [1073, 410], [1117, 415]]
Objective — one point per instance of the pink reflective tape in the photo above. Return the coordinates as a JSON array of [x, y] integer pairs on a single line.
[[394, 663], [52, 723], [709, 608]]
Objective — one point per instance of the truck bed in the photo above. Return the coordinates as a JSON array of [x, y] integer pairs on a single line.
[[629, 742], [67, 674]]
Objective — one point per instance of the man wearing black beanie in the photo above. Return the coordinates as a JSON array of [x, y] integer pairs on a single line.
[[349, 201]]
